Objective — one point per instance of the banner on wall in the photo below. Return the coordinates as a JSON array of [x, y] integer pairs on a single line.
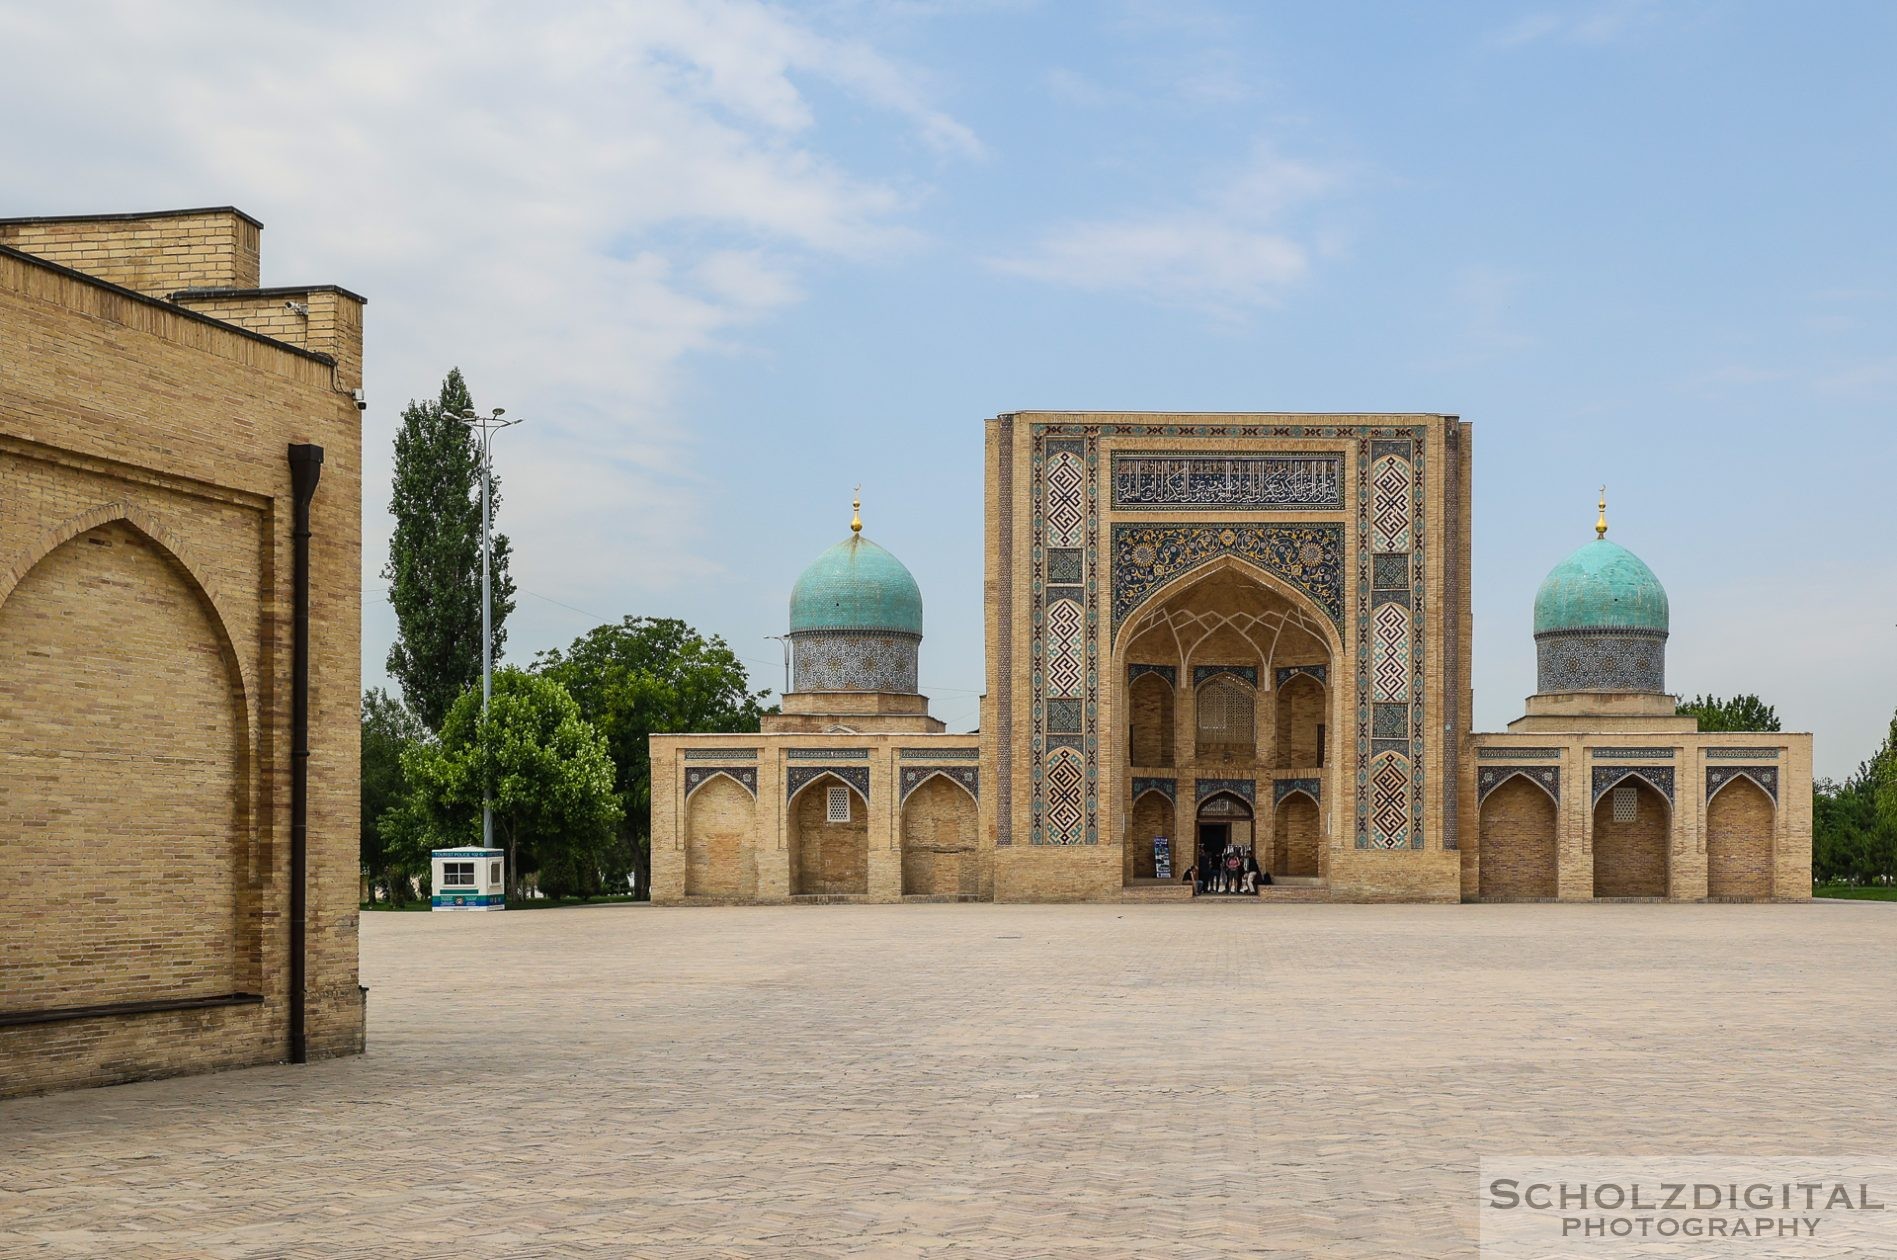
[[1162, 857]]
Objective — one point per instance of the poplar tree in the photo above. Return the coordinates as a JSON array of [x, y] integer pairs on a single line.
[[434, 568]]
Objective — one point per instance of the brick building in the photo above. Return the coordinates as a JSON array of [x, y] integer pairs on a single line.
[[166, 427], [1247, 630]]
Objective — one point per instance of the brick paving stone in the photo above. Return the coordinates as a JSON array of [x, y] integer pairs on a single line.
[[978, 1081]]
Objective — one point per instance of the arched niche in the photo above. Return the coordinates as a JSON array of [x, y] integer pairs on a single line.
[[720, 839], [1740, 820], [828, 855], [1516, 848], [1633, 825], [940, 823]]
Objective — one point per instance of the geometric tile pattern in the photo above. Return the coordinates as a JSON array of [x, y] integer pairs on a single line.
[[1390, 508], [1633, 754], [1246, 788], [1167, 672], [1064, 507], [721, 754], [1064, 675], [1742, 754], [796, 777], [1146, 558], [1004, 664], [1390, 801], [1659, 778], [1510, 754], [1167, 788], [1167, 479], [1247, 674], [846, 660], [1287, 672], [1718, 776], [1066, 649], [744, 776], [912, 777], [1281, 788], [1066, 781], [940, 754], [1600, 660], [1547, 778], [826, 754], [1390, 659]]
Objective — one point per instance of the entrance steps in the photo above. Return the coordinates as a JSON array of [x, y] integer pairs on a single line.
[[1283, 890]]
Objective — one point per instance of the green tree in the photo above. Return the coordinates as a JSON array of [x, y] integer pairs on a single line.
[[646, 676], [434, 567], [389, 729], [1741, 713], [549, 775]]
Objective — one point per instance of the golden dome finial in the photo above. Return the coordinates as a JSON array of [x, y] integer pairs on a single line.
[[856, 511], [1600, 526]]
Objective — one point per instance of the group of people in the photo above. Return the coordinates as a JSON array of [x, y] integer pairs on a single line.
[[1235, 871]]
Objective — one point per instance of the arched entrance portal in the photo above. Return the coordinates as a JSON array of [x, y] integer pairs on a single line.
[[1228, 675], [1223, 819]]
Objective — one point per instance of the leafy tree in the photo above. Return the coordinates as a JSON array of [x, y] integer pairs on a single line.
[[1854, 823], [550, 776], [434, 568], [645, 676], [389, 729], [1741, 713]]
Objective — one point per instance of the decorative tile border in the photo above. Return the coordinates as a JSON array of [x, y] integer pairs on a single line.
[[1719, 776], [1246, 788], [1510, 754], [1169, 788], [1287, 672], [1248, 481], [1004, 622], [1660, 778], [721, 754], [1247, 674], [1167, 672], [913, 777], [856, 776], [1149, 558], [1742, 754], [744, 776], [1281, 788], [1633, 754], [1547, 778], [939, 754], [826, 754]]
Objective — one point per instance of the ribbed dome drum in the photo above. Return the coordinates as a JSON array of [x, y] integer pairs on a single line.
[[1601, 622], [855, 622]]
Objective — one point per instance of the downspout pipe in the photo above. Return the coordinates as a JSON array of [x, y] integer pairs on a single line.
[[306, 468]]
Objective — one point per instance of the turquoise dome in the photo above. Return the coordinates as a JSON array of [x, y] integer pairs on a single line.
[[1602, 586], [856, 585]]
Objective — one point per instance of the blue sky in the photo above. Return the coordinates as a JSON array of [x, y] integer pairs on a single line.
[[732, 259]]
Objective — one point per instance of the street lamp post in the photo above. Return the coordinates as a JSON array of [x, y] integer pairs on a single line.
[[487, 426], [785, 640]]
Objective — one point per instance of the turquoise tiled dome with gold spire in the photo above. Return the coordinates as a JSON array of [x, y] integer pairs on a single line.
[[1602, 585], [1601, 621], [855, 619]]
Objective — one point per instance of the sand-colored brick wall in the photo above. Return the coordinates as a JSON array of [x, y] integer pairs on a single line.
[[1518, 841], [1151, 700], [1296, 838], [122, 885], [181, 431], [154, 254], [720, 843], [1630, 858], [1739, 826], [940, 831], [1300, 706], [827, 857]]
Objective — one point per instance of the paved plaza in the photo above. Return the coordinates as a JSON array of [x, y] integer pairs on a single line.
[[979, 1080]]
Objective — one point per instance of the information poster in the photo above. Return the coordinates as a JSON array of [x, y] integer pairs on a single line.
[[1162, 857]]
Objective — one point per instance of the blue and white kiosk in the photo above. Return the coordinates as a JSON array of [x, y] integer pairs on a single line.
[[469, 879]]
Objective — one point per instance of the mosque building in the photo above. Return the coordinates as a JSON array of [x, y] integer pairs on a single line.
[[1209, 632]]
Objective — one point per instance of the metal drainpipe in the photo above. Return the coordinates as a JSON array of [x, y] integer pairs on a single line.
[[306, 468]]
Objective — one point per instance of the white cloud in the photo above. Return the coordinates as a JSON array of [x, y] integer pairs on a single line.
[[1590, 24], [566, 202], [1237, 247]]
